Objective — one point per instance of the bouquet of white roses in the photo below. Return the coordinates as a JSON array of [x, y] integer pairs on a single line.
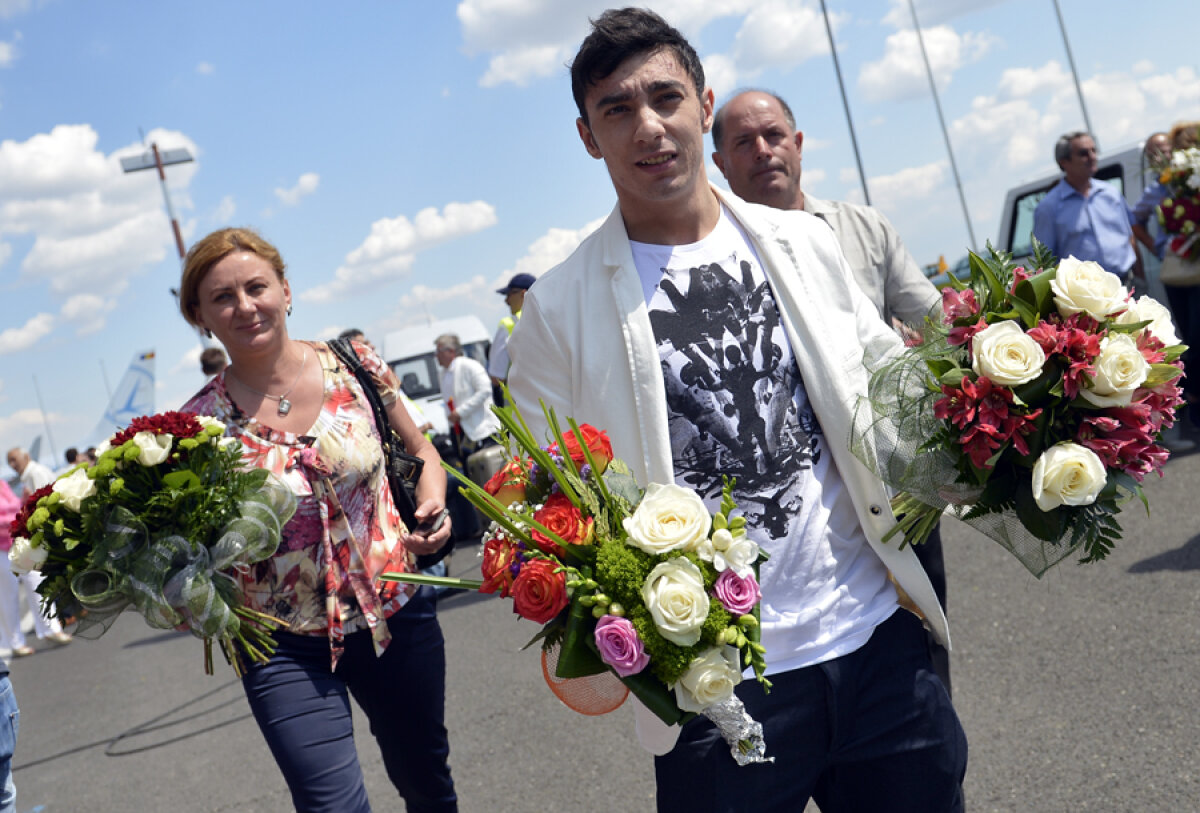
[[1029, 409], [645, 587], [154, 525]]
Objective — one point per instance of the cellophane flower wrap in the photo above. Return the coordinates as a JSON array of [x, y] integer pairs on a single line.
[[646, 586], [1032, 409], [1179, 213], [156, 525]]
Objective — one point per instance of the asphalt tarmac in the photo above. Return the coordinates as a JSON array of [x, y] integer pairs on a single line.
[[1078, 692]]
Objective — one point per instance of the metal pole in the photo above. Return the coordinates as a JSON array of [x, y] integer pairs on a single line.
[[162, 177], [942, 121], [1075, 75], [45, 420], [862, 176]]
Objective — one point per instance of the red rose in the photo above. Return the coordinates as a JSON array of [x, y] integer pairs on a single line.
[[540, 591], [597, 443], [499, 559], [508, 484], [563, 519]]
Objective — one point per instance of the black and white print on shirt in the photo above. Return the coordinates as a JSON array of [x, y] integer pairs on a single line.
[[735, 399]]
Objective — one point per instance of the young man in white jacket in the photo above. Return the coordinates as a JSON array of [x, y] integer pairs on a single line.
[[711, 337]]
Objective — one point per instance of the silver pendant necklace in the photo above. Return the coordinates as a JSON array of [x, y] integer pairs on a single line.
[[285, 406]]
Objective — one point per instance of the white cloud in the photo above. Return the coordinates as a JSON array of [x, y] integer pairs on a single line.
[[721, 74], [1142, 67], [305, 186], [16, 339], [1022, 82], [5, 252], [478, 294], [531, 39], [546, 252], [781, 34], [907, 186], [931, 12], [87, 312], [94, 226], [11, 8], [1176, 94], [224, 211], [391, 247], [206, 69], [521, 65], [900, 73], [8, 53]]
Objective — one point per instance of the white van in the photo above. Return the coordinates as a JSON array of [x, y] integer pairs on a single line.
[[409, 352]]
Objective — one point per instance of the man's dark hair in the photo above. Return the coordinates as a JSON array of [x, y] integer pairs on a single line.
[[71, 455], [351, 333], [718, 126], [212, 360], [619, 34]]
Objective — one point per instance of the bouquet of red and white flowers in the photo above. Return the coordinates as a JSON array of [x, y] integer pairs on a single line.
[[1030, 409], [1179, 214], [153, 526], [647, 587]]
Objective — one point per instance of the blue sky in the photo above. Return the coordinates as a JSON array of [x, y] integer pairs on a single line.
[[407, 158]]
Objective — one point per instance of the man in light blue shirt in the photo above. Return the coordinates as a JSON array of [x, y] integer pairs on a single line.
[[1083, 217]]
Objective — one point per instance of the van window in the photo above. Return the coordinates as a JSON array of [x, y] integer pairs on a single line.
[[1021, 238], [419, 376]]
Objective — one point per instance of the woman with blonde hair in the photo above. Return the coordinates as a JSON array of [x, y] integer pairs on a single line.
[[300, 414]]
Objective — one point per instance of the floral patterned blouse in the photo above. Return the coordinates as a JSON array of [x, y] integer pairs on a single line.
[[346, 531]]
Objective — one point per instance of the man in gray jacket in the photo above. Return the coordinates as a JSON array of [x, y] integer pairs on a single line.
[[712, 337]]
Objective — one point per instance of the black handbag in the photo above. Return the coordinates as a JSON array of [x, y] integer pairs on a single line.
[[403, 469]]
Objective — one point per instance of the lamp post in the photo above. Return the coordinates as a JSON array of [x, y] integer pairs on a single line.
[[154, 158]]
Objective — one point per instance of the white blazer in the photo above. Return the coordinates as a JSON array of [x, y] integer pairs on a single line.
[[585, 346]]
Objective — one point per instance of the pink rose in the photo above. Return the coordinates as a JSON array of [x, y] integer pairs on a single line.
[[619, 645], [736, 593]]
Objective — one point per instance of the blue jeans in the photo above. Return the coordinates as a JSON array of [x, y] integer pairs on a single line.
[[10, 722], [304, 713], [869, 731]]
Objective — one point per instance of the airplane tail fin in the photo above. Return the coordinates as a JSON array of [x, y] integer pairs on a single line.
[[134, 396]]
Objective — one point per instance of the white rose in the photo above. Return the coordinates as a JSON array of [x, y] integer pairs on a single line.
[[674, 595], [153, 448], [74, 488], [736, 552], [24, 557], [668, 518], [1006, 354], [1085, 287], [709, 679], [1067, 474], [104, 446], [1151, 310], [1120, 369]]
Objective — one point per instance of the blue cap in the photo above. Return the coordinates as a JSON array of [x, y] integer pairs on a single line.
[[519, 282]]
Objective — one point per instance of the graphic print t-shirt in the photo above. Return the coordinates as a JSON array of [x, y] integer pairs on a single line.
[[737, 406]]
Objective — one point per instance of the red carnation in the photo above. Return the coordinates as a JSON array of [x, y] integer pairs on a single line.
[[17, 526], [178, 424]]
